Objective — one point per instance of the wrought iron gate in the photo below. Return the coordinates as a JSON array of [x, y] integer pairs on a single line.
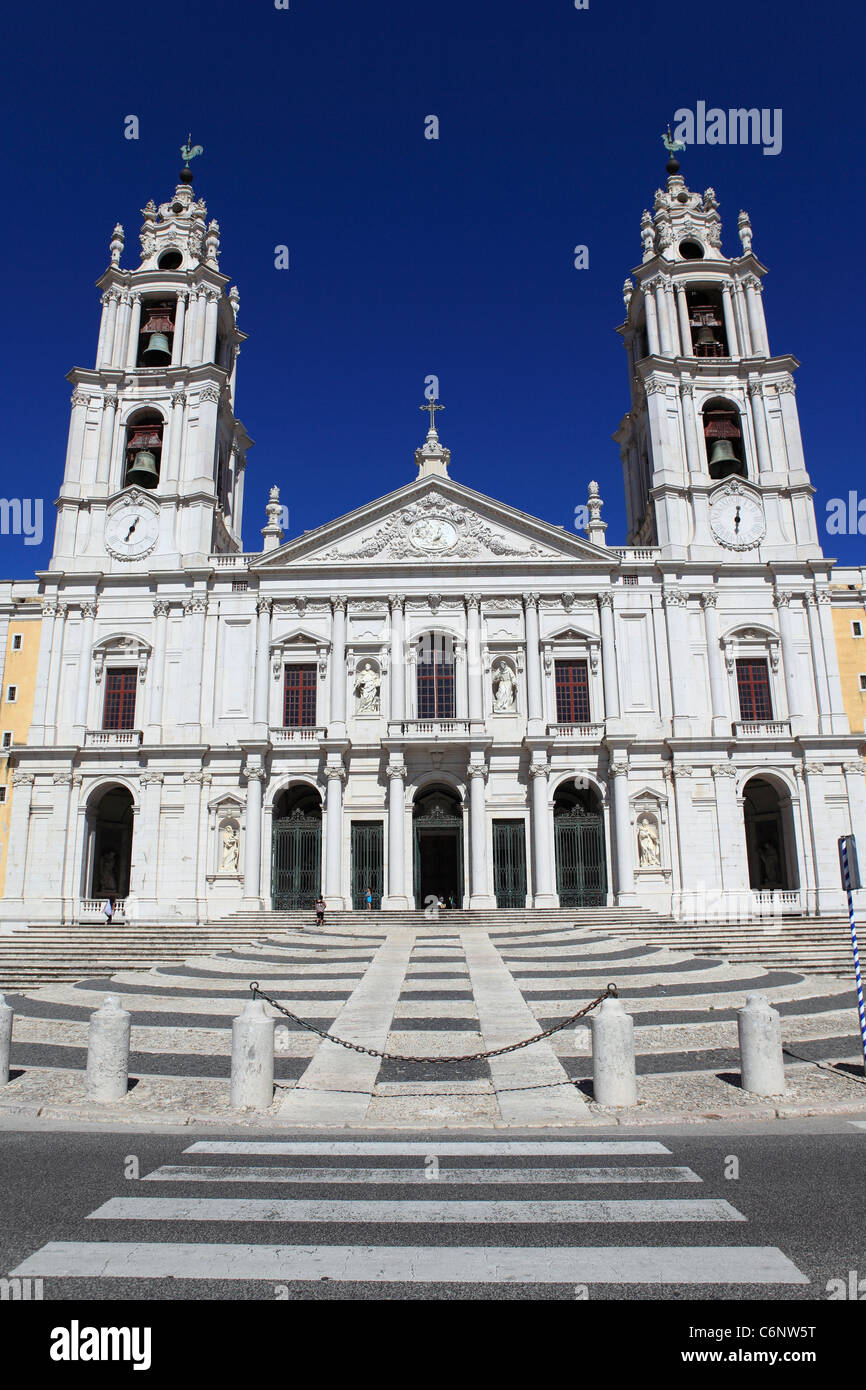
[[427, 828], [296, 861], [581, 873], [367, 870], [509, 863]]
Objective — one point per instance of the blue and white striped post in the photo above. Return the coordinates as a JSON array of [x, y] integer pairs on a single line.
[[851, 880]]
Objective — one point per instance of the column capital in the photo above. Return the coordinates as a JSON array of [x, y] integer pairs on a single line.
[[617, 770], [161, 608], [813, 769], [531, 600], [687, 388], [197, 604], [682, 770], [478, 770], [264, 605], [724, 770], [178, 397], [605, 600], [151, 779], [540, 770], [396, 602], [339, 602], [473, 601], [79, 397], [786, 384], [782, 598], [675, 598], [854, 769], [197, 779], [709, 598], [756, 388], [335, 773], [62, 779], [89, 609], [23, 779], [253, 773]]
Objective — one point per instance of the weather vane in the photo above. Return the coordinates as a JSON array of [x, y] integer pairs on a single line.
[[432, 406], [189, 151], [672, 145]]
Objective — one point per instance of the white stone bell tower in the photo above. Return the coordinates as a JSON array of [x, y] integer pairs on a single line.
[[156, 456], [711, 449]]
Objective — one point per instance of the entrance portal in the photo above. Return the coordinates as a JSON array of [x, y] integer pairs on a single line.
[[367, 861], [509, 863], [296, 851], [109, 839], [438, 844], [769, 837], [578, 828]]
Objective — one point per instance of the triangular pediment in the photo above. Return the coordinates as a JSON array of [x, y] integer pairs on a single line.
[[433, 522]]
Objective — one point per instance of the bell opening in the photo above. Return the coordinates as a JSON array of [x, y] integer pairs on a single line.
[[707, 322], [156, 334], [143, 452], [170, 260], [691, 250], [724, 441]]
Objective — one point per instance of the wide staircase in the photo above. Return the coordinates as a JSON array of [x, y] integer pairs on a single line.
[[43, 954]]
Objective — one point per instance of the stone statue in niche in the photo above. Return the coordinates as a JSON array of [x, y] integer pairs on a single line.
[[504, 689], [108, 872], [231, 850], [648, 844], [769, 863], [367, 690]]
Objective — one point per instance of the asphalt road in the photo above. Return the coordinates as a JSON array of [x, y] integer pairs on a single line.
[[296, 1223]]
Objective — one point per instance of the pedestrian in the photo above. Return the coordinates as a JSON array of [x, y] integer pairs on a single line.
[[320, 911], [108, 909], [369, 900]]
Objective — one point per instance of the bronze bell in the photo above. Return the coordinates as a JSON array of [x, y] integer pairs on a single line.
[[722, 456], [705, 335], [143, 470], [158, 351]]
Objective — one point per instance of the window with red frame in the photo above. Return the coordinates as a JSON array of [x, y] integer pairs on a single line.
[[753, 684], [299, 704], [119, 709], [572, 692], [435, 683]]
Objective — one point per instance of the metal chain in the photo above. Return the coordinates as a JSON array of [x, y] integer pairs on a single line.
[[609, 993]]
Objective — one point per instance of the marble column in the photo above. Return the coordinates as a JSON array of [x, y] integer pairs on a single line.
[[855, 785], [200, 324], [262, 671], [675, 604], [143, 884], [54, 673], [461, 679], [85, 666], [106, 437], [397, 897], [133, 330], [782, 601], [719, 700], [745, 337], [175, 435], [177, 337], [685, 327], [105, 301], [694, 455], [19, 832], [398, 659], [336, 776], [730, 322], [609, 672], [75, 828], [838, 715], [662, 316], [755, 311], [819, 664], [480, 895], [787, 392], [210, 325], [652, 327], [535, 706], [46, 659], [106, 356], [806, 852], [828, 881], [255, 775], [195, 610], [545, 894], [759, 426], [732, 834], [679, 347], [473, 658], [337, 727], [79, 401], [624, 859]]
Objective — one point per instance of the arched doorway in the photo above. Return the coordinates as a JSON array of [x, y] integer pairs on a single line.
[[578, 830], [770, 841], [296, 848], [109, 843], [437, 823]]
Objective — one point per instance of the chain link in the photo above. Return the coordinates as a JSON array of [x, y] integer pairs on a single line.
[[609, 993]]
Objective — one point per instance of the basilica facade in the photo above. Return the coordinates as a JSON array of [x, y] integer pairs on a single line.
[[436, 695]]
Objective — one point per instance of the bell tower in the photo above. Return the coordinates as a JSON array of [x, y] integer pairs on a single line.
[[711, 449], [156, 455]]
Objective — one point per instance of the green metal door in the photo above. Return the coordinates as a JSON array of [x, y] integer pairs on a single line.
[[509, 863], [296, 861], [367, 863], [581, 874]]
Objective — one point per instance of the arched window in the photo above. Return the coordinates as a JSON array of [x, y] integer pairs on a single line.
[[707, 321], [143, 456], [723, 439]]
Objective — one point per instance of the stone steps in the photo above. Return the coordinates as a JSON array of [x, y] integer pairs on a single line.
[[815, 947]]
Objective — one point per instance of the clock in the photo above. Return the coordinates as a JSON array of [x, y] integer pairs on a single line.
[[131, 530], [737, 519]]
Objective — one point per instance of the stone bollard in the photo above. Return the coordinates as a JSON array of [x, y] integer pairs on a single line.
[[6, 1017], [613, 1072], [762, 1067], [252, 1059], [107, 1072]]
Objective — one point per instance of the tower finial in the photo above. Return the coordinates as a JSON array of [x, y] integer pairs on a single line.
[[188, 152], [432, 407], [672, 145]]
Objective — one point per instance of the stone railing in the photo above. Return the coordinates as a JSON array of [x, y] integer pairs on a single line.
[[90, 909], [112, 738], [428, 728], [304, 734], [240, 561], [762, 728], [595, 732], [639, 552]]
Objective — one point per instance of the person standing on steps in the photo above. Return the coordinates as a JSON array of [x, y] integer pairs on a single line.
[[320, 911], [369, 900], [108, 909]]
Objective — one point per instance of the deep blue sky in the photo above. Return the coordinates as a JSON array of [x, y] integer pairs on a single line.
[[411, 256]]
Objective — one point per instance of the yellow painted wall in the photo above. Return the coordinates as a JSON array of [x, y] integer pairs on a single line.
[[19, 670], [852, 661]]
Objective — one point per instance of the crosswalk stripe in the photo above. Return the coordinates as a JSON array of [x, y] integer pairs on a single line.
[[496, 1212], [492, 1176], [579, 1148], [738, 1264]]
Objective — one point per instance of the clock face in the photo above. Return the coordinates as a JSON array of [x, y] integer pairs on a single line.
[[737, 520], [131, 531]]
